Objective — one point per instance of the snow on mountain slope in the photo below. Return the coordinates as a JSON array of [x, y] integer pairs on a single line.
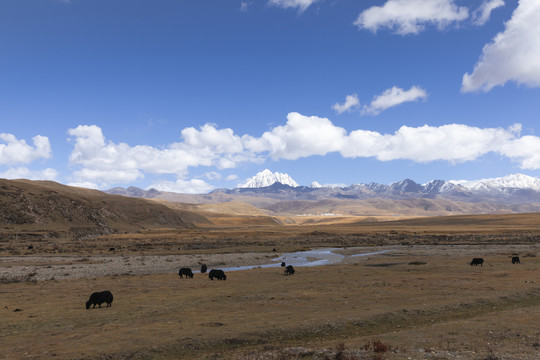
[[266, 178], [518, 181]]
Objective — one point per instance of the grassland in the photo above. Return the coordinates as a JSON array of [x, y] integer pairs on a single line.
[[420, 301]]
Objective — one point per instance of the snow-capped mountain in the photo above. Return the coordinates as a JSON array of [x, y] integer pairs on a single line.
[[267, 178], [515, 181], [499, 194]]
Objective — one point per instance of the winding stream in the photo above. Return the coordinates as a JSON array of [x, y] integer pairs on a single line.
[[317, 257]]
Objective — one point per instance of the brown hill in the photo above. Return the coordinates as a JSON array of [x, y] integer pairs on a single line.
[[49, 209]]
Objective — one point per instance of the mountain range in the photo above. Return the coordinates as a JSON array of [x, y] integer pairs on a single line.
[[279, 193]]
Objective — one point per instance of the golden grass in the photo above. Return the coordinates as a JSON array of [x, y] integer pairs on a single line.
[[445, 305]]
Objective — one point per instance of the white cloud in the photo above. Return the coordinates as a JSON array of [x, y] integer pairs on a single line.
[[244, 6], [15, 151], [26, 173], [232, 177], [105, 162], [305, 136], [513, 55], [393, 97], [302, 136], [454, 143], [301, 5], [351, 103], [482, 14], [524, 150], [193, 186], [84, 184], [411, 16]]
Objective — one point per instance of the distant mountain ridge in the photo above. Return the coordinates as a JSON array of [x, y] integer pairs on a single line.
[[512, 189]]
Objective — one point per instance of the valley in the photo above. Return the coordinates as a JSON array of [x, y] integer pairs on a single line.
[[420, 300]]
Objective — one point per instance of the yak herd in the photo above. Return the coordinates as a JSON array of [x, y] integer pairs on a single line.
[[480, 261], [98, 298]]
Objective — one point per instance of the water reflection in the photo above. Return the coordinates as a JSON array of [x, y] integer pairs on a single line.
[[316, 257]]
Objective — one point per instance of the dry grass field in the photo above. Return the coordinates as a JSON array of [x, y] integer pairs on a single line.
[[417, 302], [422, 300]]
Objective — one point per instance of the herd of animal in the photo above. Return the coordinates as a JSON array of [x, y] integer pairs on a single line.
[[98, 298], [480, 261]]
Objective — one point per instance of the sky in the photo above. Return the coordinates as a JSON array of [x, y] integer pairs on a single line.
[[195, 95]]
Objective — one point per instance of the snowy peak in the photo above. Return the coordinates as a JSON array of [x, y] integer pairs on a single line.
[[439, 187], [267, 178], [407, 185], [516, 181]]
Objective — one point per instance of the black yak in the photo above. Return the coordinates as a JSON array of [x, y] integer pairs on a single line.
[[204, 268], [218, 274], [477, 261], [515, 260], [289, 270], [185, 271], [99, 298], [283, 264]]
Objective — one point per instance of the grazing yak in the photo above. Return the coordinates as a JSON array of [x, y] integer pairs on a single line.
[[185, 271], [218, 274], [283, 264], [515, 260], [99, 298], [477, 261], [289, 270], [204, 268]]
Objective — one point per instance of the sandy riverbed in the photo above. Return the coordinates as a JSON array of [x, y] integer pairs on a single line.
[[70, 267]]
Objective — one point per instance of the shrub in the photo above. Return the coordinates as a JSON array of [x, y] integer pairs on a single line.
[[13, 279], [380, 347]]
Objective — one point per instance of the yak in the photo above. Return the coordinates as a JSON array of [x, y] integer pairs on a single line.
[[204, 268], [515, 260], [218, 274], [185, 271], [289, 270], [99, 298], [477, 261]]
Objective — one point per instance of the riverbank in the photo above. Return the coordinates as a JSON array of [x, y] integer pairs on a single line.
[[41, 268]]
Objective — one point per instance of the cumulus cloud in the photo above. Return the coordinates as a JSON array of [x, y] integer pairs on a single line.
[[351, 103], [15, 151], [193, 186], [26, 173], [411, 16], [482, 14], [512, 55], [302, 136], [393, 97], [102, 162], [305, 136], [524, 150], [105, 162], [84, 184], [301, 5]]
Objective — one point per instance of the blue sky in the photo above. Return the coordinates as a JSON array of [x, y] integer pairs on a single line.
[[190, 96]]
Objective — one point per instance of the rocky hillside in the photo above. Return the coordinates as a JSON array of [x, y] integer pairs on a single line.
[[51, 209]]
